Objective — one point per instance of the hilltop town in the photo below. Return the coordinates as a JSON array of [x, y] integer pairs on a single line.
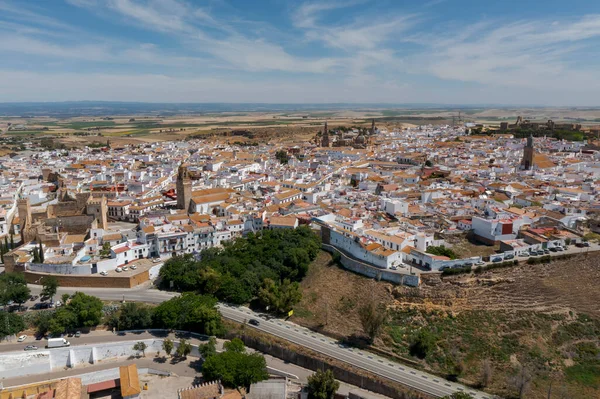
[[400, 205], [382, 197]]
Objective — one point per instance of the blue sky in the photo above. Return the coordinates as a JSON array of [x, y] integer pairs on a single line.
[[540, 52]]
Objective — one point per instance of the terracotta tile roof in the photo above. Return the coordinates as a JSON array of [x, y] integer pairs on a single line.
[[111, 237], [69, 388], [283, 221], [130, 383]]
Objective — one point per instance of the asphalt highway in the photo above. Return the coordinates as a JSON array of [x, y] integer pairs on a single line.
[[377, 365]]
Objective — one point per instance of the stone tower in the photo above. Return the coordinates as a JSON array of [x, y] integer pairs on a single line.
[[98, 207], [184, 188], [325, 139], [527, 162]]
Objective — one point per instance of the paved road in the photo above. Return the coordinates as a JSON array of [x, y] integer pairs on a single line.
[[94, 338], [294, 333], [378, 365]]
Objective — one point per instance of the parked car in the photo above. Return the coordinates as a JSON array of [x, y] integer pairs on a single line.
[[559, 249], [254, 322], [480, 263], [30, 348], [553, 249], [546, 252], [586, 244], [104, 273], [156, 260], [496, 260], [34, 297], [509, 257], [22, 338], [540, 252], [133, 267], [118, 270], [58, 303], [125, 268], [78, 334]]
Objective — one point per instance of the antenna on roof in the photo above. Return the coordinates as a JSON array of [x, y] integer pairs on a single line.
[[457, 118]]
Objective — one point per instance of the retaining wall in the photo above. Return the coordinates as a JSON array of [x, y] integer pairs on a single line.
[[371, 383], [371, 271], [14, 364], [92, 281]]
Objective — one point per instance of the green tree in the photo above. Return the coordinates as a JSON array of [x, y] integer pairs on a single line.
[[36, 255], [372, 318], [235, 345], [237, 272], [134, 316], [65, 298], [41, 253], [190, 312], [105, 251], [86, 309], [428, 163], [62, 321], [209, 349], [183, 349], [49, 288], [423, 344], [12, 242], [235, 369], [279, 297], [167, 346], [13, 287], [140, 347], [282, 157], [10, 324], [322, 385], [41, 321]]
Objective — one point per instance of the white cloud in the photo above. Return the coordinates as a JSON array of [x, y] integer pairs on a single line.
[[146, 54], [531, 54], [30, 16], [361, 33]]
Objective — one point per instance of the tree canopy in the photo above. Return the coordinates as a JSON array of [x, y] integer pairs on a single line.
[[10, 323], [373, 317], [13, 287], [279, 297], [49, 287], [282, 156], [190, 312], [82, 311], [234, 367], [322, 385], [236, 272], [134, 316]]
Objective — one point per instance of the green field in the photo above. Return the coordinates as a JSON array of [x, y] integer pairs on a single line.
[[85, 125]]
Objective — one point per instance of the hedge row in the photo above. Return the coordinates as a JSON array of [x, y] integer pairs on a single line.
[[499, 265]]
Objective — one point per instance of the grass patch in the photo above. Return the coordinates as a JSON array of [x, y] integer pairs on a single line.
[[584, 374]]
